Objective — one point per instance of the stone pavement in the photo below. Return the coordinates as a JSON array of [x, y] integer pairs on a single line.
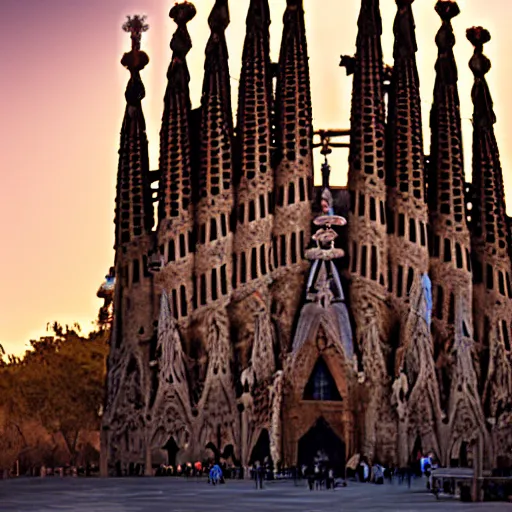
[[179, 495]]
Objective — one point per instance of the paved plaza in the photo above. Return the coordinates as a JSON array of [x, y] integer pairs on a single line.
[[180, 495]]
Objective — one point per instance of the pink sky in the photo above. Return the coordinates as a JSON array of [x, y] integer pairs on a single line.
[[62, 94]]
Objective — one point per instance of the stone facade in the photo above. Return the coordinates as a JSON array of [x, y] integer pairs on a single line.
[[233, 340]]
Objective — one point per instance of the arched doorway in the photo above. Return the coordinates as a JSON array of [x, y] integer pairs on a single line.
[[172, 450], [261, 450], [321, 444]]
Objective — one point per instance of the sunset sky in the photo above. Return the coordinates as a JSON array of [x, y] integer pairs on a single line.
[[62, 97]]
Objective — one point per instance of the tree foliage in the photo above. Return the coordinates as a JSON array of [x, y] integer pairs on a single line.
[[59, 384]]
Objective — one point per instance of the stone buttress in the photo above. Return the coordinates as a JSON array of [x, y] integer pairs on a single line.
[[492, 290], [293, 173], [450, 262], [367, 223]]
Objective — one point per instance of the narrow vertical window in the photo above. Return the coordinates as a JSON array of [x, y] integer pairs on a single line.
[[263, 260], [252, 211], [283, 250], [243, 268], [183, 247], [302, 190], [458, 256], [213, 230], [490, 277], [353, 257], [361, 204], [401, 224], [263, 212], [214, 284], [410, 279], [364, 251], [440, 302], [291, 193], [183, 300], [399, 281], [175, 312], [223, 280], [447, 250], [171, 251], [254, 263], [203, 290], [136, 272], [374, 263], [373, 211], [293, 248], [412, 230]]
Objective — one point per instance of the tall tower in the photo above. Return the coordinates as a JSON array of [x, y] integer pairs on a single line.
[[294, 171], [367, 223], [408, 253], [175, 210], [491, 262], [128, 378], [450, 264], [407, 209], [213, 390], [255, 182]]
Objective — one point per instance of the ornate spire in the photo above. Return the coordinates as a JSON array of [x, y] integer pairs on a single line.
[[370, 21], [446, 177], [175, 156], [406, 168], [217, 118], [489, 219], [134, 211]]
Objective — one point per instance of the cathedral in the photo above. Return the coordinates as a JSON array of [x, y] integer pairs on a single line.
[[261, 318]]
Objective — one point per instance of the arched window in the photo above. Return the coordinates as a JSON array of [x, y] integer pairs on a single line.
[[174, 299], [263, 260], [263, 212], [458, 256], [254, 263], [399, 281], [171, 251], [373, 212], [401, 224], [501, 283], [410, 279], [234, 273], [223, 280], [183, 247], [183, 300], [213, 230], [447, 250], [214, 284], [243, 268], [302, 190], [364, 256], [490, 277], [294, 247], [374, 263], [283, 250], [203, 290], [412, 230], [291, 193]]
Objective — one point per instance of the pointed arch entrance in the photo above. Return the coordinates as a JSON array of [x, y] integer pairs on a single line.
[[172, 450], [320, 444], [261, 450]]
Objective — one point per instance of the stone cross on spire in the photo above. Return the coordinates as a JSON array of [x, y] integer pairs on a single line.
[[136, 26]]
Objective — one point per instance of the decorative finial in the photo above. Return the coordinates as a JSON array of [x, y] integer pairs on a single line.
[[480, 65], [136, 26], [404, 31], [447, 10], [135, 60], [181, 42], [219, 17], [445, 41]]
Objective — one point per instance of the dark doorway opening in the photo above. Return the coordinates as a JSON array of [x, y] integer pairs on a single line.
[[172, 450], [261, 450], [321, 445]]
